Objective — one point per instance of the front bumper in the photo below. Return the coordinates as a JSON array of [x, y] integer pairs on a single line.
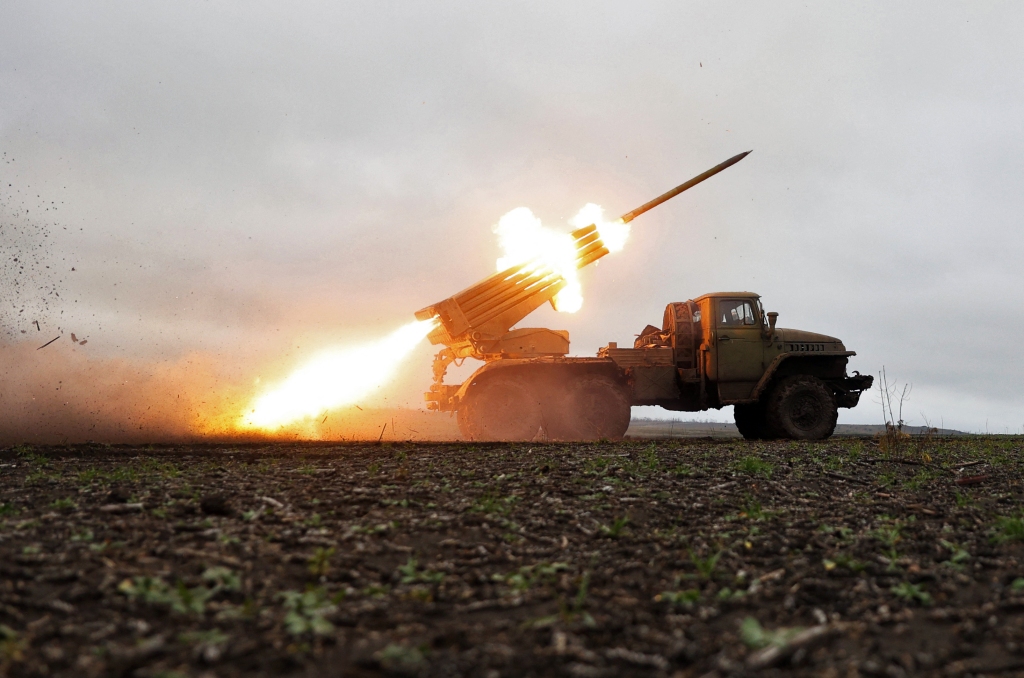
[[849, 389]]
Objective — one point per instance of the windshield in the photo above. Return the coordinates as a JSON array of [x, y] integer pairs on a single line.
[[735, 312]]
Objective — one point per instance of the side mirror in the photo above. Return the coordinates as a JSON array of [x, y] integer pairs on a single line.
[[772, 317]]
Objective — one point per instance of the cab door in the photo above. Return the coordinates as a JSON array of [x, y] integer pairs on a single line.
[[740, 347]]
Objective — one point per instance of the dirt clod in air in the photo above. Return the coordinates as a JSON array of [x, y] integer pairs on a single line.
[[31, 273]]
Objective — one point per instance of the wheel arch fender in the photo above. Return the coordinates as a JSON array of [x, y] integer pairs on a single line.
[[792, 363], [485, 371]]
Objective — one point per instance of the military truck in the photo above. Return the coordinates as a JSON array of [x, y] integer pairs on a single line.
[[716, 350]]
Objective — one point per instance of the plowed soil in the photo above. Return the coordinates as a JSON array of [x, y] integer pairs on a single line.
[[664, 558]]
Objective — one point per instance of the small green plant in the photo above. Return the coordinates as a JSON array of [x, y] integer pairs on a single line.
[[320, 562], [843, 560], [247, 610], [181, 598], [83, 536], [889, 535], [307, 612], [706, 566], [580, 601], [8, 509], [597, 465], [411, 574], [189, 601], [887, 479], [911, 593], [210, 638], [528, 576], [152, 590], [685, 599], [399, 659], [222, 579], [841, 533], [649, 460], [856, 450], [373, 469], [756, 637], [1018, 585], [615, 529], [753, 510], [727, 594], [64, 504], [314, 520], [124, 474], [962, 499], [491, 503], [1008, 528], [958, 555], [25, 452], [89, 475], [755, 466], [683, 471], [376, 590], [12, 647]]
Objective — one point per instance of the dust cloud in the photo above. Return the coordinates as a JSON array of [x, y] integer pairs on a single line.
[[60, 394]]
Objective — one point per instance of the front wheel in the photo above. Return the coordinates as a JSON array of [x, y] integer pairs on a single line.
[[802, 407]]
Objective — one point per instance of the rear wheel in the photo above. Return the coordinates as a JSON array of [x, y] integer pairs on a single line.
[[750, 421], [591, 407], [802, 408], [500, 408]]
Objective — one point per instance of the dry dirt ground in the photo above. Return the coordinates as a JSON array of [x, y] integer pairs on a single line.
[[665, 558]]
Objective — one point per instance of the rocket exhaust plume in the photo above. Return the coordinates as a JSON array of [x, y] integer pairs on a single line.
[[333, 379]]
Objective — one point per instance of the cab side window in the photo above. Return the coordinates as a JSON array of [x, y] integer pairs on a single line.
[[735, 313]]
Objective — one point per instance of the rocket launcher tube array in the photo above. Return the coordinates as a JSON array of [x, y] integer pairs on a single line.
[[484, 309]]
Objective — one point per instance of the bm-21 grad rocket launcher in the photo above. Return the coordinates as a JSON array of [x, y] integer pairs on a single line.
[[718, 349], [715, 350]]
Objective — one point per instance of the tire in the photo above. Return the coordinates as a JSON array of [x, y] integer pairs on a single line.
[[591, 407], [802, 407], [500, 408], [750, 421]]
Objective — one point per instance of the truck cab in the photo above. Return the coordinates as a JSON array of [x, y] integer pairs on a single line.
[[727, 351]]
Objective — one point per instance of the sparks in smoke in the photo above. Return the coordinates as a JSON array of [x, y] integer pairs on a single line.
[[333, 379]]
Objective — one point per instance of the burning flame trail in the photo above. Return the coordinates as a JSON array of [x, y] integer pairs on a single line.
[[526, 241], [343, 376], [334, 378]]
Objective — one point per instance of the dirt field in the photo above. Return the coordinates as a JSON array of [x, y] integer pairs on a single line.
[[644, 558]]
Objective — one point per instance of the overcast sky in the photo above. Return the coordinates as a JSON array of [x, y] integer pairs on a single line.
[[253, 181]]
